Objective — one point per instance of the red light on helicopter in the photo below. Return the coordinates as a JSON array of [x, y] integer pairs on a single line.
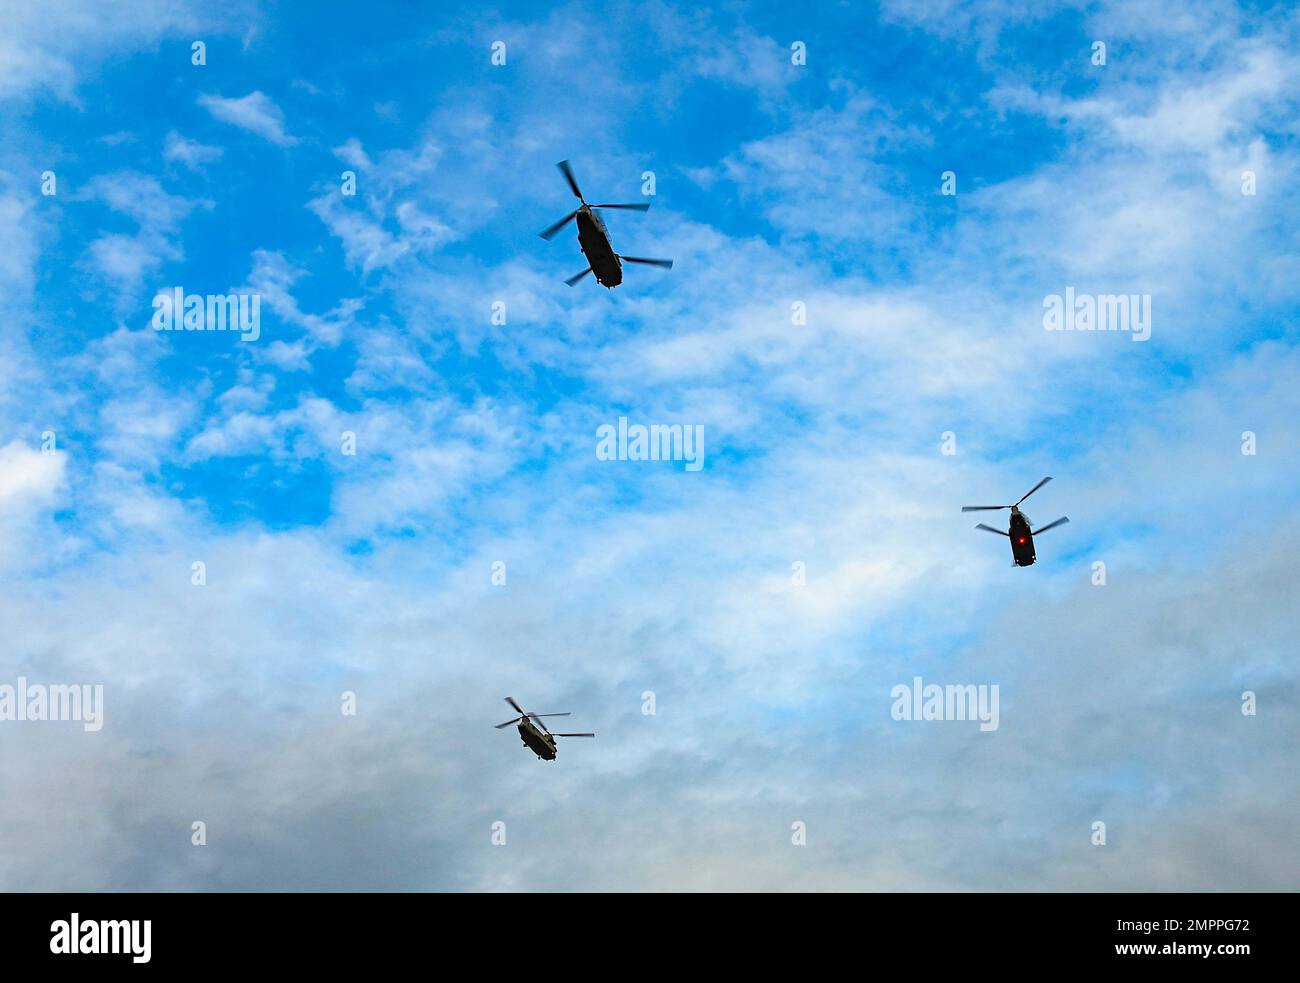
[[1022, 540]]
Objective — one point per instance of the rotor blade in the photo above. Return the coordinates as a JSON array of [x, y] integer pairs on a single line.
[[574, 279], [667, 264], [983, 508], [509, 722], [573, 735], [550, 233], [631, 208], [1035, 488], [565, 714], [991, 529], [1052, 525], [511, 701], [568, 176]]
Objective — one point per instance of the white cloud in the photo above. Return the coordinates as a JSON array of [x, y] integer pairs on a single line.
[[140, 197], [826, 175], [189, 153], [126, 261], [273, 277], [28, 474], [46, 45], [255, 112], [351, 152], [392, 194]]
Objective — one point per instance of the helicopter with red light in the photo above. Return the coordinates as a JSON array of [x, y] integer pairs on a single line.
[[1019, 531], [593, 238], [533, 732]]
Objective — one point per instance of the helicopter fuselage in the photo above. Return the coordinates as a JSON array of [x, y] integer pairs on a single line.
[[1022, 539], [539, 741], [593, 239]]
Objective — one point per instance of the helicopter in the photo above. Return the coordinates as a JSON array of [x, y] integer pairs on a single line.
[[593, 238], [534, 733], [1021, 536]]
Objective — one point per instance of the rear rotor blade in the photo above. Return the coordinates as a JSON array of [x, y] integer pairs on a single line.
[[667, 264], [511, 701], [574, 279], [567, 171], [573, 735], [550, 233], [1035, 488], [631, 208], [983, 508], [535, 715], [509, 722], [1052, 525], [991, 529]]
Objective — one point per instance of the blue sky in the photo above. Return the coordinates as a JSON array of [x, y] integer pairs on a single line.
[[776, 184]]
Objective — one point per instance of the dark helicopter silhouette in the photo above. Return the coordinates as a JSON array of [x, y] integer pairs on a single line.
[[1021, 536], [534, 733], [593, 238]]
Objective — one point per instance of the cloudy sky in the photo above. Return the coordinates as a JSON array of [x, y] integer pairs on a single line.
[[779, 188]]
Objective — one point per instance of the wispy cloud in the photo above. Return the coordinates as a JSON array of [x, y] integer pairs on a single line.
[[255, 112], [189, 153], [125, 260]]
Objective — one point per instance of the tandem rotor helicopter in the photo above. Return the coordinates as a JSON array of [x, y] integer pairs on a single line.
[[1021, 536], [593, 238], [534, 733]]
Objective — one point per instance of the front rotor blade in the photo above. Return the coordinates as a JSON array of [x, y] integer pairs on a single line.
[[1052, 525], [565, 714], [550, 233], [511, 701], [991, 529], [1035, 488], [509, 722], [632, 208], [983, 508], [574, 279], [568, 176], [667, 264], [573, 735]]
